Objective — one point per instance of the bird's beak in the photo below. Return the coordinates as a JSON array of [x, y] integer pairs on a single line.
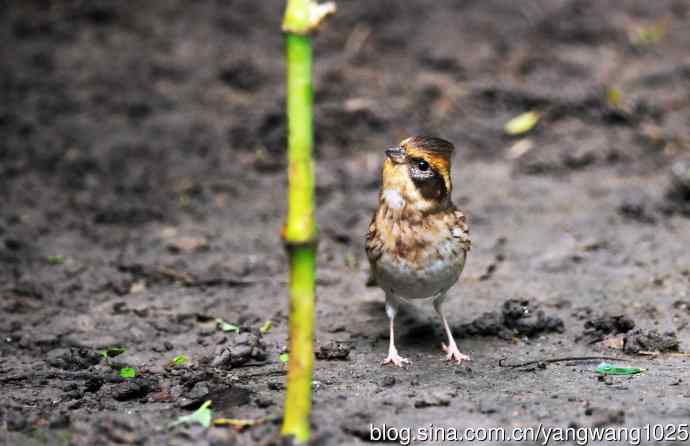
[[396, 154]]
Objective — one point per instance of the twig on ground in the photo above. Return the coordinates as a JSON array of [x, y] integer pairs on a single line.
[[553, 360]]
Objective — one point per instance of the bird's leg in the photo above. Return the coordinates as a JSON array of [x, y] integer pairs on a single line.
[[452, 348], [393, 356]]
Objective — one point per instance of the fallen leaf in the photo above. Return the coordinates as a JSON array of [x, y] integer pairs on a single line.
[[522, 123], [180, 360], [608, 369], [237, 423], [202, 416], [226, 326], [266, 327], [128, 372], [56, 260], [111, 352], [614, 97]]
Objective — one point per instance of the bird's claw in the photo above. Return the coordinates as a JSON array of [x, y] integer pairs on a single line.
[[395, 358], [454, 354]]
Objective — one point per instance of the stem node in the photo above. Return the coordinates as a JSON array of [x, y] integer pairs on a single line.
[[304, 17]]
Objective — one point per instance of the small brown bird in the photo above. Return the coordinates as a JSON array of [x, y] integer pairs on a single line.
[[417, 240]]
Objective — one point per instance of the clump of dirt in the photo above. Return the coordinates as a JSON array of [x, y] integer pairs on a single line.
[[245, 348], [603, 416], [333, 351], [135, 388], [518, 317], [73, 358], [439, 398], [678, 194], [650, 341], [682, 305], [636, 210], [597, 328]]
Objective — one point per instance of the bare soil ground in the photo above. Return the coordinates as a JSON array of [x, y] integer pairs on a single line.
[[142, 189]]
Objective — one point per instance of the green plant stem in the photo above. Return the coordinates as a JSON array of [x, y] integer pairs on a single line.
[[300, 226], [300, 231], [301, 359]]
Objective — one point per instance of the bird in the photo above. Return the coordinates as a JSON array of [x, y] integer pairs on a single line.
[[417, 241]]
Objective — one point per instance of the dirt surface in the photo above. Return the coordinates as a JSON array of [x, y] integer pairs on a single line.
[[142, 189]]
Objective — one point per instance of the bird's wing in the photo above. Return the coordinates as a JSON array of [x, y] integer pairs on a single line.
[[374, 246]]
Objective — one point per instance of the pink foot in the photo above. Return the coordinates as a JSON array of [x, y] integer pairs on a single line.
[[454, 354], [395, 358]]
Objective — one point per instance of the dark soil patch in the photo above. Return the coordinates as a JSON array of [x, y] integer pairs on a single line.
[[650, 341], [517, 318], [596, 329], [333, 351]]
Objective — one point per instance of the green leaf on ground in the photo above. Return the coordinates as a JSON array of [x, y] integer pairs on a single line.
[[522, 123], [181, 360], [56, 260], [128, 372], [614, 97], [266, 327], [608, 369], [226, 326], [202, 416], [111, 352], [284, 357]]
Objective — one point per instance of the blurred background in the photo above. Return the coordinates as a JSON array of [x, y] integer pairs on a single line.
[[142, 189]]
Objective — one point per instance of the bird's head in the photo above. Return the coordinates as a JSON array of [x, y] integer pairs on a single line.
[[417, 174]]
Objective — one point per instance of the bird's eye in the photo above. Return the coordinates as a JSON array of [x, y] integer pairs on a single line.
[[422, 165]]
